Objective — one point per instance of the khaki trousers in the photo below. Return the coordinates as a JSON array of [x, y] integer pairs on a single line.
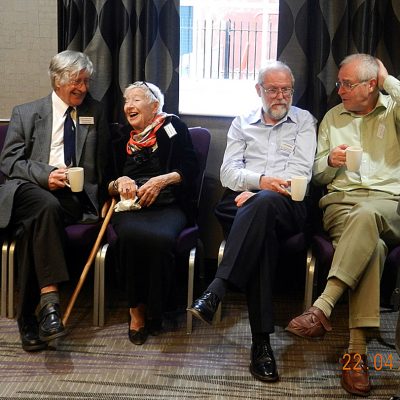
[[362, 225]]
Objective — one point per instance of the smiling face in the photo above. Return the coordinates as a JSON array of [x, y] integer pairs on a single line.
[[74, 90], [275, 106], [139, 110]]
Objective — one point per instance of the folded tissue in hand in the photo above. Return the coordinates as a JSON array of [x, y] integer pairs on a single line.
[[127, 204]]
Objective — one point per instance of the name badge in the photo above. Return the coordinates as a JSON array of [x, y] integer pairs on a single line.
[[170, 130], [286, 148], [86, 120], [381, 131]]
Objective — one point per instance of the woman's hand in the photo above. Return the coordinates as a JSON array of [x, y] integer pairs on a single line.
[[149, 192], [124, 186]]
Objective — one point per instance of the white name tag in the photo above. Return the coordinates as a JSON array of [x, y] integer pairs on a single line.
[[381, 131], [86, 120], [170, 130]]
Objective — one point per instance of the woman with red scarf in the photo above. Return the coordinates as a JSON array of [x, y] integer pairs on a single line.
[[156, 168]]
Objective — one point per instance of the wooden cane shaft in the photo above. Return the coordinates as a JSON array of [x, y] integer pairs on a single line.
[[89, 263]]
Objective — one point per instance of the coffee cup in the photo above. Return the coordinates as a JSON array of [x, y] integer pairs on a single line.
[[353, 158], [75, 179], [298, 187]]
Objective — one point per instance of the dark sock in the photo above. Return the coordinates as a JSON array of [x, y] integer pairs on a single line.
[[260, 337], [218, 286], [50, 297]]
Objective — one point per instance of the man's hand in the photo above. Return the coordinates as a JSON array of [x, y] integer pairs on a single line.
[[57, 179], [382, 74], [337, 156], [275, 184], [241, 198]]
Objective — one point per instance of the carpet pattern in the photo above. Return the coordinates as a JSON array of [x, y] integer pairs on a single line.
[[212, 363]]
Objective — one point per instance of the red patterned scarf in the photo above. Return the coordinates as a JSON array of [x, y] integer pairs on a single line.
[[147, 138]]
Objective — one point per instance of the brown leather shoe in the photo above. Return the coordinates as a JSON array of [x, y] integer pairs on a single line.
[[311, 324], [355, 376]]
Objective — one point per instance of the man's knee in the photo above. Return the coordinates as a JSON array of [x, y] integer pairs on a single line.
[[366, 214]]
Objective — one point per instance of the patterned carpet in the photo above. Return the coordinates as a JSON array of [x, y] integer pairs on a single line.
[[212, 363]]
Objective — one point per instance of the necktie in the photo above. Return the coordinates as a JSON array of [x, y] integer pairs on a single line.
[[69, 139]]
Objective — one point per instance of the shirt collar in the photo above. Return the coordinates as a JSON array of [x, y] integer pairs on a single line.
[[256, 117], [59, 107]]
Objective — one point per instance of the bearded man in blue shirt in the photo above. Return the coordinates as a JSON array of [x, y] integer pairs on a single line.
[[265, 149]]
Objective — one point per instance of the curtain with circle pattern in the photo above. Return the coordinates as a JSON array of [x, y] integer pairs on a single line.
[[315, 35], [127, 40]]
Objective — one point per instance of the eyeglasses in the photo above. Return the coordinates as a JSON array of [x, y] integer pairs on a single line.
[[347, 86], [148, 87], [273, 92], [79, 82]]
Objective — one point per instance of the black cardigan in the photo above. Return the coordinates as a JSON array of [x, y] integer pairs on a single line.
[[175, 154]]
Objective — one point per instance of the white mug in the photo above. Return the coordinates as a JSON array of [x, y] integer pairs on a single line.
[[75, 179], [298, 187], [353, 158]]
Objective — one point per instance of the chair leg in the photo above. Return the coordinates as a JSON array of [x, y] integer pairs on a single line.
[[189, 317], [309, 286], [218, 314], [99, 283], [4, 278], [11, 270]]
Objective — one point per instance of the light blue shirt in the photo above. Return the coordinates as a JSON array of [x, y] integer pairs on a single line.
[[254, 149]]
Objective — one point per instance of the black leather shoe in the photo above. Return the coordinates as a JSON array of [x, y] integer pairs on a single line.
[[154, 326], [395, 398], [138, 337], [263, 365], [205, 307], [50, 323], [29, 333]]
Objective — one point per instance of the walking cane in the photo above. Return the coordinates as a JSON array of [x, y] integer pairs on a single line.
[[89, 262]]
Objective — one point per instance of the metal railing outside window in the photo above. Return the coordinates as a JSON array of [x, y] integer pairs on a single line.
[[226, 49]]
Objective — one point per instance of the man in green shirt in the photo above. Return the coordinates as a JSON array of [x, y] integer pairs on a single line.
[[360, 209]]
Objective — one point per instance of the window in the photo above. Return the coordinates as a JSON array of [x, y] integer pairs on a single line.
[[223, 45]]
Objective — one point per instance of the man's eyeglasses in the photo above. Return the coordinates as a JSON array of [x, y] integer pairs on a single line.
[[79, 82], [347, 86], [273, 92]]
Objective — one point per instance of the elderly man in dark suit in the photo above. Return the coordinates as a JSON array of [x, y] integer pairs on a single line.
[[45, 138]]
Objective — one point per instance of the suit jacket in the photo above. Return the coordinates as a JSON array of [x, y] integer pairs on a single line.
[[26, 152]]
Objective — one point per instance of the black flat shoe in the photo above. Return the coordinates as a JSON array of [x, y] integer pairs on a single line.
[[263, 365], [205, 307], [29, 333], [154, 326], [50, 323], [138, 337]]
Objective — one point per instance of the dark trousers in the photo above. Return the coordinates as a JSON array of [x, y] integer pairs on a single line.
[[252, 247], [145, 251], [38, 220]]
